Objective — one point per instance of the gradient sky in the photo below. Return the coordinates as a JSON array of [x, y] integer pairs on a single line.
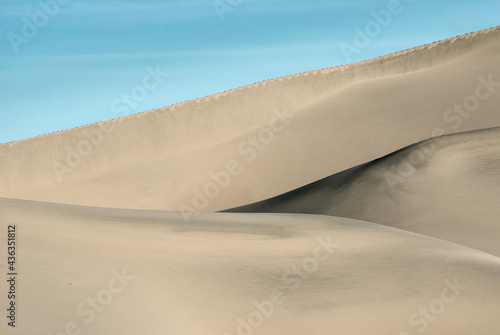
[[86, 54]]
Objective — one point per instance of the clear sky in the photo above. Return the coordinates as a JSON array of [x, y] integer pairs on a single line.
[[66, 63]]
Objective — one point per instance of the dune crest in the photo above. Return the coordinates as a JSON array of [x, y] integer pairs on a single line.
[[402, 237], [445, 187], [168, 153]]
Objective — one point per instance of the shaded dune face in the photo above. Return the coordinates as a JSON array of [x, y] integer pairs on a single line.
[[206, 277], [320, 123], [400, 239], [446, 187]]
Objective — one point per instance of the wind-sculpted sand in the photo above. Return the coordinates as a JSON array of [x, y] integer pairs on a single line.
[[284, 274], [446, 187], [283, 133], [382, 182]]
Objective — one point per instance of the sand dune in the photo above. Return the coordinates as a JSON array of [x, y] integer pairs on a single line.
[[446, 187], [334, 274], [111, 238], [329, 120]]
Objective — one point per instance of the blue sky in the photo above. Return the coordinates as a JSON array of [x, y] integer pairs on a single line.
[[81, 57]]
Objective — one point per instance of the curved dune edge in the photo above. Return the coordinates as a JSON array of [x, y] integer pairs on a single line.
[[319, 125], [342, 271], [446, 187], [338, 68], [201, 278]]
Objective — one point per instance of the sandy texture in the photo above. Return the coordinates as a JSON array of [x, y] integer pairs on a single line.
[[200, 278], [446, 187], [401, 239], [337, 118]]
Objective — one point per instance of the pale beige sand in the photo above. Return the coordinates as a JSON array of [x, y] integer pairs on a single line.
[[200, 278], [445, 187], [342, 117]]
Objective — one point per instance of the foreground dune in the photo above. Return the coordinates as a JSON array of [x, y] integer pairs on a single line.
[[111, 237], [446, 187], [272, 137], [110, 271]]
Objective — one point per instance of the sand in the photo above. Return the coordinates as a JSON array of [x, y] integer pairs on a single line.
[[330, 274], [156, 160], [382, 187], [445, 187]]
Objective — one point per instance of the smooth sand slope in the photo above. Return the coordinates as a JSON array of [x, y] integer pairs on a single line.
[[446, 187], [326, 275], [94, 257], [327, 121]]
